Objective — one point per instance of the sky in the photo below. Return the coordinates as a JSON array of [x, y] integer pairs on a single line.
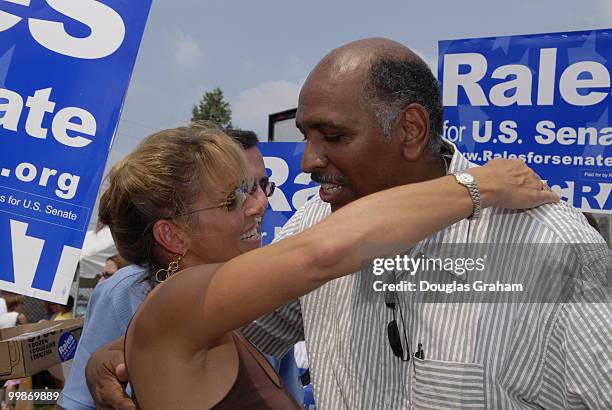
[[260, 52]]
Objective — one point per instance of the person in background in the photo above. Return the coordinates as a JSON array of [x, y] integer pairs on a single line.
[[112, 265], [15, 315], [62, 312]]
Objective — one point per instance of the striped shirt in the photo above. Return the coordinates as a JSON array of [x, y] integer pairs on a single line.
[[477, 355]]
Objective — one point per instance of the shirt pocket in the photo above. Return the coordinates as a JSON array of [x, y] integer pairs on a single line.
[[447, 385]]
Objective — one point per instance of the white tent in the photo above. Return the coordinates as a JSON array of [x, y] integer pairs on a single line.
[[97, 247]]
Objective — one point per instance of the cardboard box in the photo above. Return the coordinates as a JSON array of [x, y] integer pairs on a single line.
[[28, 349]]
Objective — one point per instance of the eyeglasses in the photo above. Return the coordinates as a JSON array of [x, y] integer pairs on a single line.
[[236, 199], [267, 186], [106, 274], [393, 335]]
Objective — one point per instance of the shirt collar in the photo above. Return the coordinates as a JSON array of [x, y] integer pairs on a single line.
[[458, 162]]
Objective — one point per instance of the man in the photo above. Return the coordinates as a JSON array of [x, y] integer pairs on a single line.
[[115, 300], [371, 115]]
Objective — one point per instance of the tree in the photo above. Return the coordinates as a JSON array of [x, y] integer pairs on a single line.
[[212, 108]]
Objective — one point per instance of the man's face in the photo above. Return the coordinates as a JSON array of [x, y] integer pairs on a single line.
[[345, 149], [258, 169]]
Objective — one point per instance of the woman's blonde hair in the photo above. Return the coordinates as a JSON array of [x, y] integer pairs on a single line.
[[163, 178]]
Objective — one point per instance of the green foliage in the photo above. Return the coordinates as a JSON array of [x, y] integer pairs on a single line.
[[212, 108]]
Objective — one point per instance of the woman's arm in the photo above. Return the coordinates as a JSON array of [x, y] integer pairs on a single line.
[[384, 223]]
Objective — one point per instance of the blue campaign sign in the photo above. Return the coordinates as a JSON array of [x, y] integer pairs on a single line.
[[542, 98], [293, 187], [64, 70]]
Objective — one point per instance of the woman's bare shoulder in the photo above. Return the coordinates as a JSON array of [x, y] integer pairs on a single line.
[[173, 310], [212, 369]]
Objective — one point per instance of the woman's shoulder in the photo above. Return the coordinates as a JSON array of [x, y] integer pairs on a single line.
[[170, 326], [174, 302], [181, 289]]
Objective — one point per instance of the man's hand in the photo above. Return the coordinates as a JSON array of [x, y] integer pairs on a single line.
[[106, 377]]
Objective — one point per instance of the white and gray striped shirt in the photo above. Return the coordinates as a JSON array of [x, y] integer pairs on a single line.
[[477, 355]]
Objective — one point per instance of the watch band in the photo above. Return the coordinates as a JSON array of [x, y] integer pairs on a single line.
[[469, 182]]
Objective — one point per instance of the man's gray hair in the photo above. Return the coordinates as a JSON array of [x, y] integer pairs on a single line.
[[393, 83]]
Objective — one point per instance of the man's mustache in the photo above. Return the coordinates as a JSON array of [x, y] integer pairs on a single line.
[[322, 178]]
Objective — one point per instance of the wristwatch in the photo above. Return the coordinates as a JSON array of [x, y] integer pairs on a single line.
[[469, 182]]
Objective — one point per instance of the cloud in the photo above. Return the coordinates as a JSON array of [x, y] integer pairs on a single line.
[[187, 52], [255, 104]]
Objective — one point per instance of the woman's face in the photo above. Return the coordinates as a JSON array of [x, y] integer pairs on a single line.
[[222, 234]]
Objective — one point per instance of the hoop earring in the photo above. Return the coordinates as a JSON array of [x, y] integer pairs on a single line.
[[164, 273]]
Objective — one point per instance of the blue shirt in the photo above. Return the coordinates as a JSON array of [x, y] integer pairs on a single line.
[[111, 306]]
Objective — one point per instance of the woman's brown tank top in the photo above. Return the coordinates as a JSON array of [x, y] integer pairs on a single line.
[[257, 386]]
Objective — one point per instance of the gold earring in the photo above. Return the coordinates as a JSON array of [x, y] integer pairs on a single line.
[[163, 274]]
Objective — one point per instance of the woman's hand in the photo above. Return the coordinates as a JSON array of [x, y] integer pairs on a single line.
[[509, 183]]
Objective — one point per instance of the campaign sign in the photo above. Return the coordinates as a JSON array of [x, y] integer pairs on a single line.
[[64, 71], [293, 187], [542, 98]]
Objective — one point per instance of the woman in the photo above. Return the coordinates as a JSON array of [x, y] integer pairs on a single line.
[[185, 205]]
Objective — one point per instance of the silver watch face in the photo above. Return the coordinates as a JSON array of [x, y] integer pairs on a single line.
[[465, 178]]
